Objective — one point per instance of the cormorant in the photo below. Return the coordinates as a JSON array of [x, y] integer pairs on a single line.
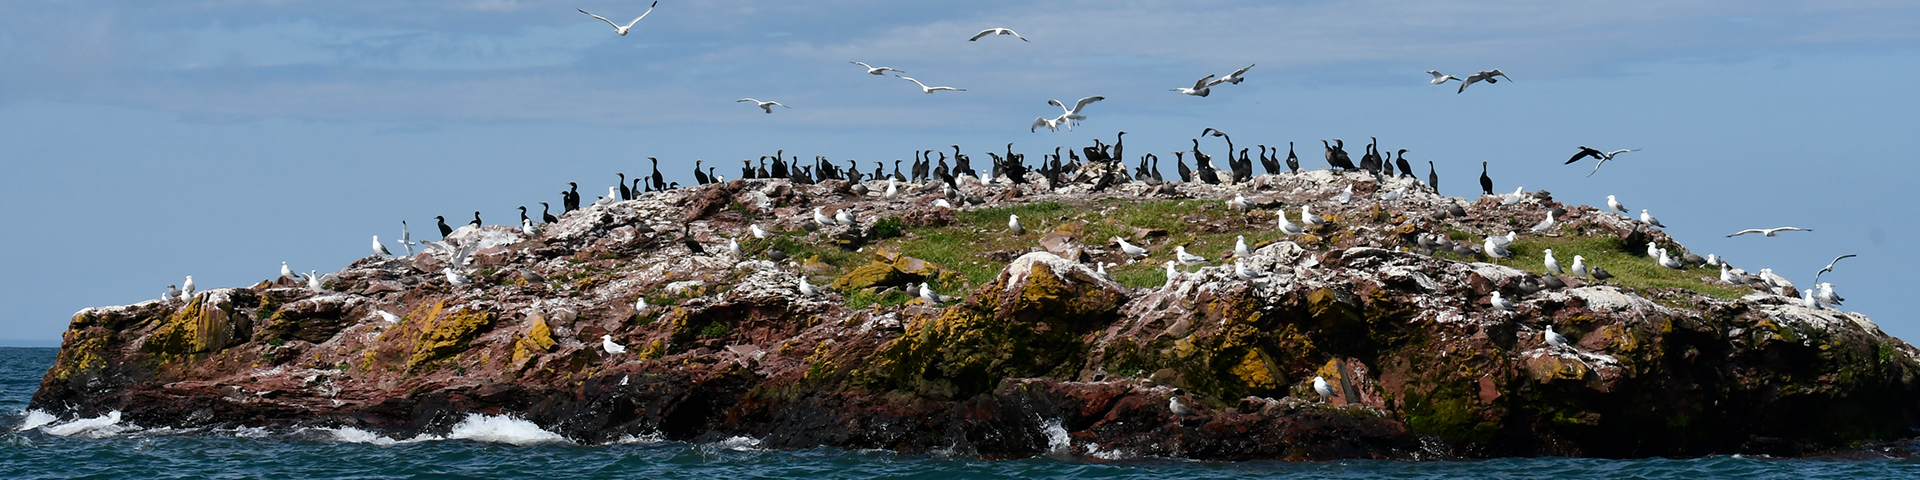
[[1337, 155], [523, 214], [1293, 161], [699, 177], [1405, 169], [780, 165], [1179, 160], [1433, 178], [625, 194], [1486, 183], [659, 181], [746, 169], [570, 199], [1268, 162], [444, 229], [476, 219], [547, 217]]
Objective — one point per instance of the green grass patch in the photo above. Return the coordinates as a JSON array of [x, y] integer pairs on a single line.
[[1628, 269], [867, 298]]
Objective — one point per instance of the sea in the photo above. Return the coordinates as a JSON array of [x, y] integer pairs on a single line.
[[35, 445]]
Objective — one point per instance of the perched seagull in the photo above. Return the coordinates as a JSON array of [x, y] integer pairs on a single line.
[[1807, 300], [767, 105], [1439, 78], [1345, 196], [821, 219], [1714, 260], [1486, 75], [1199, 89], [1829, 267], [807, 288], [1240, 247], [1668, 261], [1579, 266], [1393, 195], [613, 195], [1288, 227], [893, 189], [1727, 276], [942, 203], [1321, 387], [1239, 203], [1100, 268], [1653, 250], [1233, 78], [1554, 339], [998, 31], [1179, 409], [1240, 268], [1013, 225], [929, 90], [1496, 250], [390, 318], [1309, 219], [756, 231], [926, 293], [1500, 302], [527, 227], [1544, 225], [1513, 198], [1648, 219], [1073, 114], [454, 277], [1552, 264], [1171, 273], [1188, 259], [314, 281], [873, 70], [1616, 206], [640, 304], [733, 246], [286, 272], [1769, 231], [406, 238], [606, 343], [1130, 249], [617, 28], [844, 216], [1824, 293], [172, 292], [187, 289], [378, 248]]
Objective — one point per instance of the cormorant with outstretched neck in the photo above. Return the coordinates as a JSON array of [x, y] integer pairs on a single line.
[[1203, 165], [920, 166], [1293, 161], [1405, 168], [1268, 162], [1179, 160], [762, 172], [699, 177], [547, 217], [570, 199], [659, 181], [444, 229], [897, 176], [1486, 182], [1337, 155], [1370, 161], [1119, 146], [780, 165], [476, 219], [1433, 178], [711, 177], [523, 215], [625, 194], [962, 164], [638, 186]]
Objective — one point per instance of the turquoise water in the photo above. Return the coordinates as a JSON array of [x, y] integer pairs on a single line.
[[502, 448]]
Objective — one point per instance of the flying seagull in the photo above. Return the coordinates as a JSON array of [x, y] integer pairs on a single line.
[[1199, 88], [873, 70], [1829, 268], [1486, 75], [928, 90], [767, 105], [1439, 78], [1602, 156], [998, 31], [1770, 231], [1052, 124], [1073, 114], [617, 28], [1233, 78]]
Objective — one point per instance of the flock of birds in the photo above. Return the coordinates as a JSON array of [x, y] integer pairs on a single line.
[[1101, 165]]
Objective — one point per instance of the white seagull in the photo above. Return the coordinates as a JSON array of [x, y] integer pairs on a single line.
[[314, 280], [1824, 293], [286, 272], [1052, 124], [929, 90], [1615, 204], [1648, 219], [1513, 198], [1321, 387], [1579, 266], [1439, 78], [733, 247], [1486, 75], [1829, 267], [1544, 225], [1131, 249], [873, 70], [639, 304], [455, 277], [527, 227], [1552, 264], [1188, 259], [1669, 261], [1199, 88], [767, 105], [756, 231], [926, 293], [1496, 250], [807, 288], [1604, 157], [1233, 78], [1240, 247], [821, 219], [1288, 227], [893, 189], [606, 343], [1769, 231], [844, 216], [1500, 302], [187, 289], [1171, 274], [1309, 219], [390, 318], [1239, 203], [1013, 225], [379, 249], [998, 31], [1554, 339], [942, 203], [1073, 114], [1240, 268], [406, 238], [1345, 196], [617, 28]]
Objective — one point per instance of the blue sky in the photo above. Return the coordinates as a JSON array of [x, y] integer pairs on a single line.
[[146, 141]]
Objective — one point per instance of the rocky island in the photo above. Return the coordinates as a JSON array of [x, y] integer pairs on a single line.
[[1055, 340]]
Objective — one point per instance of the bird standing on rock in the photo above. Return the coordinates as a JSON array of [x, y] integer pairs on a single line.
[[286, 272], [444, 229], [757, 232], [807, 288], [1240, 247], [172, 292], [1188, 259], [1554, 339], [1321, 387], [1579, 266], [1648, 219], [1486, 182], [378, 249], [1552, 264], [1501, 303], [1179, 409], [1288, 227], [606, 344], [821, 219], [187, 289], [1130, 249], [1309, 219], [1013, 225], [1616, 206]]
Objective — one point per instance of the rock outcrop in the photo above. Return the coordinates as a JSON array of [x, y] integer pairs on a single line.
[[1041, 353]]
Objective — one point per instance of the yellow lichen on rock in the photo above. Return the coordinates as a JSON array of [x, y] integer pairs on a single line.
[[443, 335], [1254, 372], [196, 328], [538, 338]]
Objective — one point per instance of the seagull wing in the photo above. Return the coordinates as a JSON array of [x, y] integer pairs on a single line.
[[1204, 82], [1237, 73], [1620, 151], [1009, 31], [603, 19], [1084, 102], [747, 100], [642, 15], [915, 82], [863, 64], [1491, 73], [1747, 231], [982, 34], [1039, 122], [1596, 166], [782, 105]]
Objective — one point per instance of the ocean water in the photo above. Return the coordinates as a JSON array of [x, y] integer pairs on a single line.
[[35, 446]]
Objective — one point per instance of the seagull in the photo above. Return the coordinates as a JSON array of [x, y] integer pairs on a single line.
[[1807, 300], [1240, 268], [1239, 203], [1171, 274], [1554, 339], [1439, 78], [1100, 268], [733, 246], [1288, 227], [807, 288], [1648, 219], [1321, 387], [527, 227], [188, 289], [606, 343], [286, 272], [1653, 250], [172, 292], [821, 219], [1544, 225], [1199, 89], [1393, 195], [1309, 219], [1513, 198], [1180, 409], [1496, 250], [1669, 261], [767, 105], [1552, 264], [844, 216], [1714, 260], [1071, 115], [1616, 206], [929, 90], [1727, 276], [1602, 156], [1188, 259], [455, 277], [1240, 247], [998, 31], [390, 318], [1052, 124], [942, 203], [406, 238], [1233, 78], [1486, 75], [620, 29], [1824, 293], [1579, 266], [314, 282], [1345, 196], [1829, 268], [1013, 224], [873, 70], [926, 293], [1130, 249], [1769, 231], [757, 232], [639, 304], [893, 189], [1601, 273], [1500, 302], [612, 196], [379, 249]]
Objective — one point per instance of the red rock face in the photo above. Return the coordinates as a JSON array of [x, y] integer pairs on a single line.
[[1047, 358]]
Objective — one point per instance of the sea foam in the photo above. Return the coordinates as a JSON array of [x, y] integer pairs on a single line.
[[502, 429]]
